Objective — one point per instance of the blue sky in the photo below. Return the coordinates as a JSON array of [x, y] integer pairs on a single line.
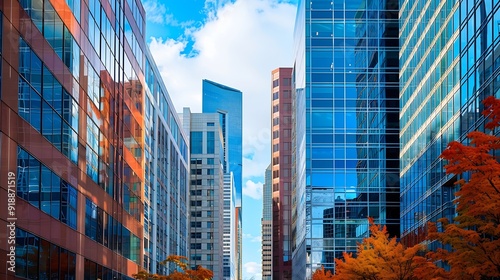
[[237, 43]]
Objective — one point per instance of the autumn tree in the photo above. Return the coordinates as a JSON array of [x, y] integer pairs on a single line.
[[473, 238], [382, 257], [322, 274], [183, 272]]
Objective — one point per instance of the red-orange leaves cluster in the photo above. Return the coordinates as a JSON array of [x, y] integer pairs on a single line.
[[184, 273], [322, 274], [474, 236], [382, 257]]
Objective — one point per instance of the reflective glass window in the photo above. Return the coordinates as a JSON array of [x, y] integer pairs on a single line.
[[196, 142], [210, 142]]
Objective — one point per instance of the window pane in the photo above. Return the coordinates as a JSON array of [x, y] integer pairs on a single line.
[[210, 142], [196, 142]]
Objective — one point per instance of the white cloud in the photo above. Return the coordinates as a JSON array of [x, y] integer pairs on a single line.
[[252, 189], [238, 47], [257, 239], [254, 269], [158, 13]]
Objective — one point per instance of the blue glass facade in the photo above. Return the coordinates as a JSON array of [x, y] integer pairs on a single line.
[[430, 106], [346, 127], [449, 64], [227, 102]]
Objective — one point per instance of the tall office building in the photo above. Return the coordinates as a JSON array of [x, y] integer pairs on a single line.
[[166, 179], [281, 166], [345, 140], [75, 106], [206, 191], [267, 223], [227, 102], [449, 63]]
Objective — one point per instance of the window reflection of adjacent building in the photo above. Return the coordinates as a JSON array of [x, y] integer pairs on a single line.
[[351, 157], [441, 101]]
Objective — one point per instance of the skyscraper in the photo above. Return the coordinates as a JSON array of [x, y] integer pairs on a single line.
[[206, 191], [281, 166], [227, 102], [166, 175], [449, 64], [81, 93], [267, 224], [345, 140]]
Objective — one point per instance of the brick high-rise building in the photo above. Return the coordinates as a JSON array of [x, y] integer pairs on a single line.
[[281, 172]]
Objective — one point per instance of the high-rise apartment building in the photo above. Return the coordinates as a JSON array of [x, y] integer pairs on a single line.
[[83, 108], [227, 102], [345, 139], [281, 166], [267, 223], [449, 63], [206, 190]]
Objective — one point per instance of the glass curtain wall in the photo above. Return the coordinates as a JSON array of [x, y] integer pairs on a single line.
[[346, 77]]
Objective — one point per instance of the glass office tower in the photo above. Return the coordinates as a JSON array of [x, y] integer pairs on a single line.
[[81, 92], [346, 144], [449, 60], [227, 102]]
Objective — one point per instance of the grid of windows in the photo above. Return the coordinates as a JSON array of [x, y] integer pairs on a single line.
[[37, 258], [206, 188], [112, 113], [106, 230], [449, 65], [55, 32], [43, 189], [350, 160], [44, 103]]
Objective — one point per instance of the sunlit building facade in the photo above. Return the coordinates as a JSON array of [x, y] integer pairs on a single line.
[[346, 128], [206, 188], [227, 102], [449, 53], [166, 180], [82, 109], [281, 167]]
